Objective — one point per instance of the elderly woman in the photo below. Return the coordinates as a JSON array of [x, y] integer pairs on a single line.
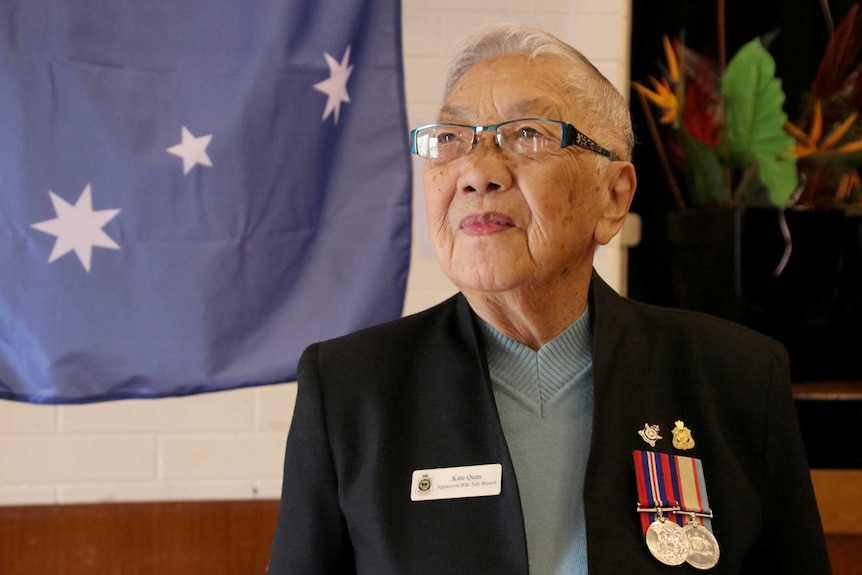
[[537, 422]]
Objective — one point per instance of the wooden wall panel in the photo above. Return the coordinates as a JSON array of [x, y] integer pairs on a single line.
[[839, 497], [192, 538], [234, 537]]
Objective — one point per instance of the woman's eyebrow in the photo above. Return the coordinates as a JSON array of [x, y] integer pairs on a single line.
[[453, 113]]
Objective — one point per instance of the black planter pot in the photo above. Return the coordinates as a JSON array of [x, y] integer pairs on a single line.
[[723, 262]]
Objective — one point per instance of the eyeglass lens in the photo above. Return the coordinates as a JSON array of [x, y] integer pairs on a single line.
[[447, 141]]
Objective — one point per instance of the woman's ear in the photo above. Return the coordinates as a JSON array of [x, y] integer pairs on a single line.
[[621, 184]]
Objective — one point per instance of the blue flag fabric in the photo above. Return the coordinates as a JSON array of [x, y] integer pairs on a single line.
[[192, 191]]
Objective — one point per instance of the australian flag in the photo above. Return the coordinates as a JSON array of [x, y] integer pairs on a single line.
[[192, 191]]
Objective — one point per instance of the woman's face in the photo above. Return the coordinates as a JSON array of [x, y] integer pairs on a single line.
[[499, 221]]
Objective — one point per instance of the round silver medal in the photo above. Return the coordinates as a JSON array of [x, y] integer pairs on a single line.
[[703, 546], [667, 542]]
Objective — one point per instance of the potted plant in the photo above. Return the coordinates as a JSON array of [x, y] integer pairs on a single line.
[[767, 230]]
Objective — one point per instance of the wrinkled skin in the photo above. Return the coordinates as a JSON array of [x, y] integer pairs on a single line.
[[517, 234]]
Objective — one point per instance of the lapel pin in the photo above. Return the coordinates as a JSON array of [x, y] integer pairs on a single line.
[[650, 434], [682, 438]]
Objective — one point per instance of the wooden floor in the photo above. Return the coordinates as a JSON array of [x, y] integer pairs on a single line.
[[234, 537]]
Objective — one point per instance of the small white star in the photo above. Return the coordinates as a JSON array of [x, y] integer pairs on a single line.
[[192, 150], [336, 85], [77, 227]]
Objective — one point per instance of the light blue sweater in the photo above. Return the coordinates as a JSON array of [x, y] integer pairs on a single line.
[[545, 400]]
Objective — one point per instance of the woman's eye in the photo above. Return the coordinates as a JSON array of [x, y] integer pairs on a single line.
[[447, 137]]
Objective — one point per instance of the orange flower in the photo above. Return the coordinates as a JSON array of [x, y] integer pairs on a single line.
[[663, 95], [810, 144], [663, 98]]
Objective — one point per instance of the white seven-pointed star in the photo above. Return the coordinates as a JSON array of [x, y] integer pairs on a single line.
[[78, 227], [192, 150], [336, 85]]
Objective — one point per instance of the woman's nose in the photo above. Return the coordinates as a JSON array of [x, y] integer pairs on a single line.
[[486, 168]]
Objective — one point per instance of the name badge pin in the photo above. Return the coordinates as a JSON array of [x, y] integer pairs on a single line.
[[456, 482]]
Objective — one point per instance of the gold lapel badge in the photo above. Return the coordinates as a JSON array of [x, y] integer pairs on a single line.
[[650, 434], [682, 438]]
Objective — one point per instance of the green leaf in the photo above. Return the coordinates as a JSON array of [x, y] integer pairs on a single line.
[[705, 173], [755, 120]]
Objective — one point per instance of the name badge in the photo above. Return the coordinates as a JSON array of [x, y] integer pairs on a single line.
[[456, 482]]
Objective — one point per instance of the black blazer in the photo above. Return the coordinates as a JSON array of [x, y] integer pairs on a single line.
[[415, 393]]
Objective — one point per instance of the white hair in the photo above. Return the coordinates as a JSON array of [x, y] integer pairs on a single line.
[[605, 108]]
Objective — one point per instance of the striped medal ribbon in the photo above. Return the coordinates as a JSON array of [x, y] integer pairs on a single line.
[[658, 504], [674, 509], [703, 546]]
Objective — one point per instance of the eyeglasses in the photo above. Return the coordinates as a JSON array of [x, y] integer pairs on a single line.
[[525, 137]]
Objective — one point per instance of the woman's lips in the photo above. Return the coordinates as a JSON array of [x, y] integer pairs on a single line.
[[485, 223]]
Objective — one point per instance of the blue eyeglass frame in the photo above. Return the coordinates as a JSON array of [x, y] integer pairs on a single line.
[[570, 136]]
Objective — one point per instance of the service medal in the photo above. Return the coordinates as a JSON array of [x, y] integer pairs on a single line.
[[670, 487], [667, 542], [703, 546]]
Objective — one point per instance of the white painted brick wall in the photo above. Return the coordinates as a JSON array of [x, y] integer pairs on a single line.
[[229, 445]]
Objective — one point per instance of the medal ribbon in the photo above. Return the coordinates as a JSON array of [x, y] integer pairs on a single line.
[[658, 485], [692, 488]]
